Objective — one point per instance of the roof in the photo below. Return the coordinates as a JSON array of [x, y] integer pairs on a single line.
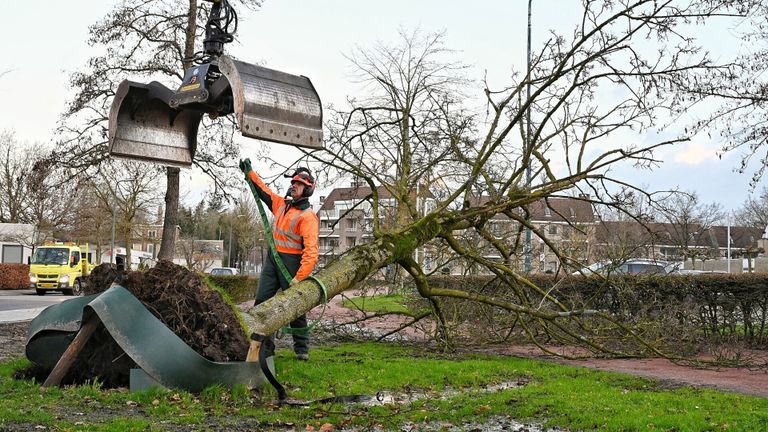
[[665, 234], [351, 194], [554, 209]]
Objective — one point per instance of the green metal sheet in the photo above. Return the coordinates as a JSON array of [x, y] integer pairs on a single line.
[[154, 347]]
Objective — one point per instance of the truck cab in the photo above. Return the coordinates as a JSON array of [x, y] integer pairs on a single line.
[[60, 266]]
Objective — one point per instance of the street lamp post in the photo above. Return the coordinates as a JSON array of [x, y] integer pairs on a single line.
[[114, 211], [528, 248], [229, 252]]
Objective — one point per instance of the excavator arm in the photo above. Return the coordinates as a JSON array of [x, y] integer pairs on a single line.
[[154, 123]]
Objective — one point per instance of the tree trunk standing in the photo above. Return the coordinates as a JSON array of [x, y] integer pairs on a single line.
[[168, 242], [128, 247], [171, 214], [189, 38]]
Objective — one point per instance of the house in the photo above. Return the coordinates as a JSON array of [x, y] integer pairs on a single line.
[[346, 220], [199, 255], [693, 245], [17, 242], [567, 222]]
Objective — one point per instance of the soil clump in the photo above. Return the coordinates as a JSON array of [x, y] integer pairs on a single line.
[[180, 299]]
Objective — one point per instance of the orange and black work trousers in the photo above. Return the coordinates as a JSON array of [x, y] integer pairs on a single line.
[[271, 281]]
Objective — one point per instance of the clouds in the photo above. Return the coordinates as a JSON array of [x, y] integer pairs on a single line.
[[694, 153]]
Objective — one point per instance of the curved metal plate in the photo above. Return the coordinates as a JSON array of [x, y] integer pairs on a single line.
[[274, 106], [152, 345], [143, 126]]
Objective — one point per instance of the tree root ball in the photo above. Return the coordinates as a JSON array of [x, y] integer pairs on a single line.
[[182, 301]]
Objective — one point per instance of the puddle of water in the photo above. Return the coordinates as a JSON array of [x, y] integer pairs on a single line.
[[399, 398], [492, 424]]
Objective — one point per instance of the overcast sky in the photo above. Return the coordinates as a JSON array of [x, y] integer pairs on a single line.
[[43, 44]]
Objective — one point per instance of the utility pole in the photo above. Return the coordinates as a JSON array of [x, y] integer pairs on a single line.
[[528, 250]]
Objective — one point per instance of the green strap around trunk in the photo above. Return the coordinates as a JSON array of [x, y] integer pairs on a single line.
[[281, 266]]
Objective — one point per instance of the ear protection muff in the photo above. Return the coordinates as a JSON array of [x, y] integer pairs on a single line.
[[304, 176]]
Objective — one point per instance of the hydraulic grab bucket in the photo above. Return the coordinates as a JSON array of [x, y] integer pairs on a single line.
[[273, 105], [151, 122], [143, 126]]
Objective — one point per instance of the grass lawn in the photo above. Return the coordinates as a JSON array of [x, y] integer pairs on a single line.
[[554, 395], [395, 303]]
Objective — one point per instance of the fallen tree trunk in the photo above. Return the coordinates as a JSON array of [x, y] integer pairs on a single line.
[[351, 268]]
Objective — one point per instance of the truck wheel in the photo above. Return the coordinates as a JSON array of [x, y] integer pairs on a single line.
[[77, 288], [39, 291]]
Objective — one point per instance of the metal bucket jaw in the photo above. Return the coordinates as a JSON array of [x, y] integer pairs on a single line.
[[142, 125], [148, 121], [274, 106]]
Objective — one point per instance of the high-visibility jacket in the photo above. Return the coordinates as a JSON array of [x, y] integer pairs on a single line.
[[295, 229]]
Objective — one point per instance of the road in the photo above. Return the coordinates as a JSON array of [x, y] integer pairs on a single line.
[[22, 305]]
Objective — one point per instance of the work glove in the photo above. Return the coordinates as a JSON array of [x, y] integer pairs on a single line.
[[245, 166]]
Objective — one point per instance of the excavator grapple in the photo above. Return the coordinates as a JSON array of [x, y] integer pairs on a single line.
[[154, 123], [142, 125]]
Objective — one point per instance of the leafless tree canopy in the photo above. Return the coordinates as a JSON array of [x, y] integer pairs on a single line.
[[595, 90]]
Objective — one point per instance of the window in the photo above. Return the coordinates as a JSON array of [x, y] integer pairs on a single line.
[[352, 225], [12, 254], [547, 212], [151, 249], [74, 259], [552, 229], [152, 233], [329, 242], [573, 212], [351, 241]]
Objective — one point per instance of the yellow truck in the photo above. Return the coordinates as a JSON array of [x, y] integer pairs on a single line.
[[60, 266]]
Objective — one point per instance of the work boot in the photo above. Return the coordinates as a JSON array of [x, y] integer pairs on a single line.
[[302, 356]]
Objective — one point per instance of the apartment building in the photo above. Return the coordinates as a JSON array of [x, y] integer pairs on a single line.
[[568, 224], [346, 220]]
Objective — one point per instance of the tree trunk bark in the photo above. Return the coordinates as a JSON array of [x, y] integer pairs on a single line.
[[171, 214], [170, 220], [189, 37], [353, 267]]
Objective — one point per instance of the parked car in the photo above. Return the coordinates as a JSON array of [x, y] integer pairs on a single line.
[[696, 272], [630, 266], [223, 271]]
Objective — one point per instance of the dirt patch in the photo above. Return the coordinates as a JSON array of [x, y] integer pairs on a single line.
[[13, 338], [177, 297]]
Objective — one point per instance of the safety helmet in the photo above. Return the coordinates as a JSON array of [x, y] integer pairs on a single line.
[[303, 176]]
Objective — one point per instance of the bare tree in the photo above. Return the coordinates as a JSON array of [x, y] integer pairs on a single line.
[[154, 39], [754, 211], [129, 191], [15, 164], [689, 221], [34, 191], [415, 127]]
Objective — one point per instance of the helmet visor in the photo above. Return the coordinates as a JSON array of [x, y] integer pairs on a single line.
[[302, 178]]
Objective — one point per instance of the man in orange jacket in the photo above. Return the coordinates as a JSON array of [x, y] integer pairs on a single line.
[[295, 230]]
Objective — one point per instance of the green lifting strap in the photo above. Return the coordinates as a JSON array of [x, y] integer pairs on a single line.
[[281, 266]]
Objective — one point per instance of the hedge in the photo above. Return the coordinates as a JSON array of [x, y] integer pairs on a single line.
[[14, 276], [720, 305], [240, 288]]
